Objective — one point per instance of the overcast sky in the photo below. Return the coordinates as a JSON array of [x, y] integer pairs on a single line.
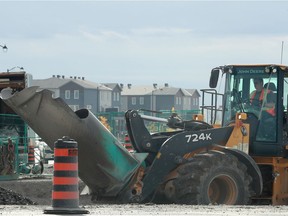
[[141, 42]]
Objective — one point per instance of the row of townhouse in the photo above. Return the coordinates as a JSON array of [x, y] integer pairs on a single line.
[[79, 93]]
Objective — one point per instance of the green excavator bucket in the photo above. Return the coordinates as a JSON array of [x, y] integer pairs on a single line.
[[105, 166]]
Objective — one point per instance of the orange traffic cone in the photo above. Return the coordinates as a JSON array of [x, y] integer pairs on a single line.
[[128, 144], [31, 154], [65, 194]]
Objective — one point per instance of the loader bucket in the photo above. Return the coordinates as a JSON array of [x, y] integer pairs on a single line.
[[105, 166]]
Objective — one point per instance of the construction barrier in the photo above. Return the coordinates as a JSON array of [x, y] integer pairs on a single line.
[[13, 146], [127, 143], [65, 194], [31, 154], [8, 159]]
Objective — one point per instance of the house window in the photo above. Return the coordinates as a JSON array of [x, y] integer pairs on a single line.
[[106, 95], [178, 100], [141, 100], [184, 101], [114, 96], [76, 94], [67, 94], [133, 100]]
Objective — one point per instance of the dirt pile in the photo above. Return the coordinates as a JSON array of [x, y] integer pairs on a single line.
[[8, 197], [31, 191]]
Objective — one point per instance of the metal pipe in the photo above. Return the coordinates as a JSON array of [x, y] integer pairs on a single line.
[[152, 118]]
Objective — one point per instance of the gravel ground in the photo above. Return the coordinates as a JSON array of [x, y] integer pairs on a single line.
[[136, 209], [31, 196], [39, 191]]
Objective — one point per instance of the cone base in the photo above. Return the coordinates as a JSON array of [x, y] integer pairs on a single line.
[[65, 211]]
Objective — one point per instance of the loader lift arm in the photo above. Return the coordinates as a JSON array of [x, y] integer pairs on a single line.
[[143, 141], [166, 150], [140, 137]]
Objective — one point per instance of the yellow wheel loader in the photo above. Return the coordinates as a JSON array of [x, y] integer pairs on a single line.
[[241, 161]]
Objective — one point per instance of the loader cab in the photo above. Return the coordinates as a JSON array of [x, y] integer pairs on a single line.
[[266, 108]]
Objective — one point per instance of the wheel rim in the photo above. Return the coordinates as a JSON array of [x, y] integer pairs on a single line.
[[223, 190]]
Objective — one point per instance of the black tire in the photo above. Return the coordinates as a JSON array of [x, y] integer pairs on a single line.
[[211, 178]]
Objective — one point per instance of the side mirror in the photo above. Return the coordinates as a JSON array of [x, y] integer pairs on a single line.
[[214, 78]]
